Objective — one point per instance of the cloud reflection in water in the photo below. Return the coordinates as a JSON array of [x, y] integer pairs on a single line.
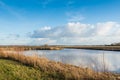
[[84, 58]]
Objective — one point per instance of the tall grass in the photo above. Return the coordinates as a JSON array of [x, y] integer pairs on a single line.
[[56, 69]]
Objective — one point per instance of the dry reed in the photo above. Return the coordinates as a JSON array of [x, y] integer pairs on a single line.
[[64, 71]]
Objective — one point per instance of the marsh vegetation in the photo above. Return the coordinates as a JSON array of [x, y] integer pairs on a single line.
[[50, 70]]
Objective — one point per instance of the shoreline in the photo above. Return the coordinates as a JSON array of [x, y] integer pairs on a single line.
[[60, 47]]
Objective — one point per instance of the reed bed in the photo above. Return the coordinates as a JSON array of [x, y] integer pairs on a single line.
[[57, 69]]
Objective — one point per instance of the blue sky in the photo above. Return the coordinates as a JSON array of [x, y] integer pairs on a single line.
[[36, 22]]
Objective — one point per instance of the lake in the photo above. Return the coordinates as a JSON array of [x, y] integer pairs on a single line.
[[98, 60]]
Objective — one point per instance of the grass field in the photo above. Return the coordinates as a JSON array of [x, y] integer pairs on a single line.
[[11, 70]]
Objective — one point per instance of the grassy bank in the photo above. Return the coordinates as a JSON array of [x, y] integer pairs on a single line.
[[42, 68], [11, 70]]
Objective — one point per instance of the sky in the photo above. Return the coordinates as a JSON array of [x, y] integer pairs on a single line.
[[59, 22]]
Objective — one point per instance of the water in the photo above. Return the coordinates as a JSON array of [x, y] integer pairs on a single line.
[[96, 59]]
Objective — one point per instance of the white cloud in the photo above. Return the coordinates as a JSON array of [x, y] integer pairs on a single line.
[[42, 41], [13, 39], [68, 34], [79, 33], [104, 29], [45, 3], [45, 28], [74, 16], [77, 29], [70, 30]]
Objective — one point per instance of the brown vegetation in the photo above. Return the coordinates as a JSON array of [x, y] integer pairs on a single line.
[[109, 48], [57, 69], [59, 47], [23, 48]]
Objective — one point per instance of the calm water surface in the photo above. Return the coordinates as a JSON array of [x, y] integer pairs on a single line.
[[85, 58]]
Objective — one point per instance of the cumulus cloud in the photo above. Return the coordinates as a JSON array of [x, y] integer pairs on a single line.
[[104, 29], [78, 29], [70, 30], [77, 33]]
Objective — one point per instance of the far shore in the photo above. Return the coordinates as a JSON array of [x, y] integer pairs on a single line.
[[60, 47]]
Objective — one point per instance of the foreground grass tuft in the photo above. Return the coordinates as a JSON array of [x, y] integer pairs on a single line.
[[11, 70]]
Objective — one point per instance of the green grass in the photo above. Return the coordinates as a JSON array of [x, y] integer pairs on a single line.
[[11, 70]]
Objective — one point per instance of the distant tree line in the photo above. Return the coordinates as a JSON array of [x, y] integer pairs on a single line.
[[115, 44]]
